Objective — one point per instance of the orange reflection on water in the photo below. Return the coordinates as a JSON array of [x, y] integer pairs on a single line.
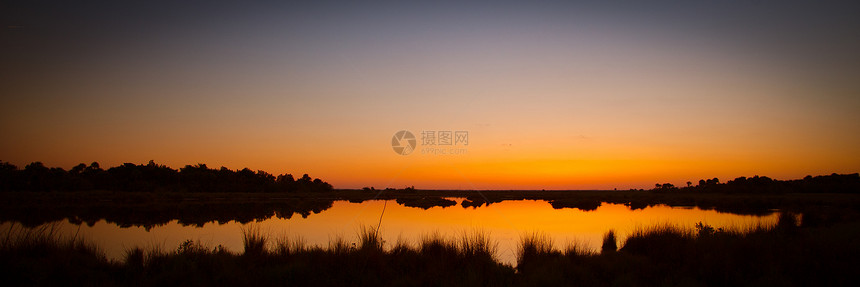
[[505, 222]]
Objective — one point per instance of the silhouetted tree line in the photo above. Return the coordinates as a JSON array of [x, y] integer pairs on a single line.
[[150, 177], [834, 183]]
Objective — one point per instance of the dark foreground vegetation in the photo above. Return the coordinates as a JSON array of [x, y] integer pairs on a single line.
[[786, 254], [791, 253]]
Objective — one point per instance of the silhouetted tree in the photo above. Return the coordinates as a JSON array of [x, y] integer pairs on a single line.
[[78, 169], [200, 178], [665, 187], [36, 177], [8, 176], [151, 177]]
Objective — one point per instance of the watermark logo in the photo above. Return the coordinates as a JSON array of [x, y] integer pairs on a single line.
[[403, 142], [445, 142]]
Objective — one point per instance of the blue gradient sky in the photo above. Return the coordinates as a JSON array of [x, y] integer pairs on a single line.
[[554, 94]]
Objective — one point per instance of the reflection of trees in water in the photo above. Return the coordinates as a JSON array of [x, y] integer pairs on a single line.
[[426, 202], [151, 215], [199, 213], [153, 209]]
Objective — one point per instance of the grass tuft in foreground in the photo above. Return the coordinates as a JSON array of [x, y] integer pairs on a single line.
[[254, 241]]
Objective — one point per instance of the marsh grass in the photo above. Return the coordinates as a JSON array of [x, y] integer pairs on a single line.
[[610, 243], [135, 257], [534, 245], [401, 246], [369, 239], [783, 253], [578, 248], [337, 246], [477, 244], [42, 256], [285, 246], [254, 241], [43, 240]]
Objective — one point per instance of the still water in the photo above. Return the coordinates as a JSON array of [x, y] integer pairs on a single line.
[[504, 221]]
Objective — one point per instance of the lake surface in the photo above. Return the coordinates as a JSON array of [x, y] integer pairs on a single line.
[[504, 221]]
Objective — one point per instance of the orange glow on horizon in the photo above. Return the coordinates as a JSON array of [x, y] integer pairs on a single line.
[[569, 103]]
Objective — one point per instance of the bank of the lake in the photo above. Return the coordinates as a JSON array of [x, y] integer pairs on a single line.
[[787, 253]]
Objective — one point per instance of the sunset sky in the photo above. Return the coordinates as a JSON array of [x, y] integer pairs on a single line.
[[554, 95]]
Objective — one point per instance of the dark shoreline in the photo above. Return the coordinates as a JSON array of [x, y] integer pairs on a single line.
[[153, 208], [788, 253]]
